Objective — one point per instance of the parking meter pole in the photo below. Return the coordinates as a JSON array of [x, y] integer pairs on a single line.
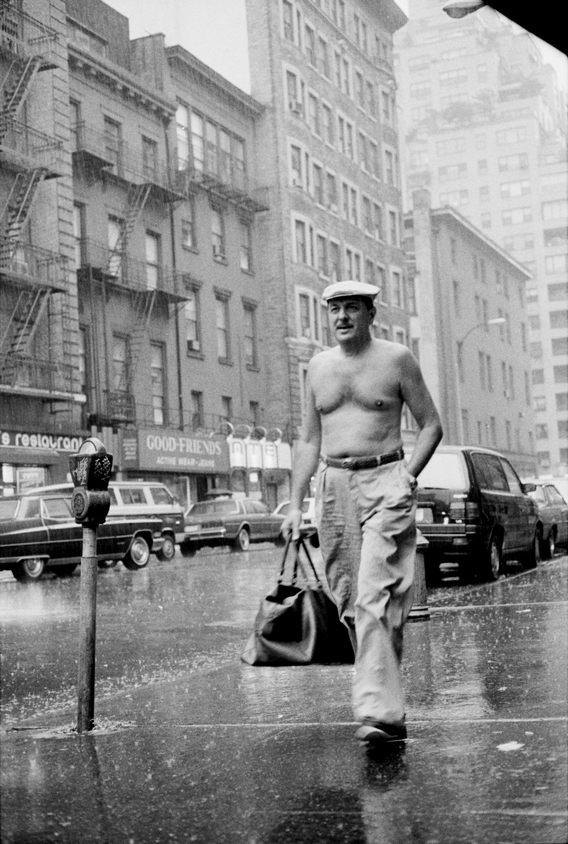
[[90, 471], [87, 631], [420, 611]]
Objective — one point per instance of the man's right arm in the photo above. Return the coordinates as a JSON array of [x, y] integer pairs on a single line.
[[306, 458]]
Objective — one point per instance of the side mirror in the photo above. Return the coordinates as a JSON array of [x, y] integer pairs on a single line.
[[529, 487]]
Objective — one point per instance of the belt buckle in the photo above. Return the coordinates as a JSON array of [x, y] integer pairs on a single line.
[[346, 463]]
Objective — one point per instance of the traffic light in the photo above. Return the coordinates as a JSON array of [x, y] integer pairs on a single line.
[[90, 470]]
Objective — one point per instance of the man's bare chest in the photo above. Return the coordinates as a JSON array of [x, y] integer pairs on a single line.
[[367, 389]]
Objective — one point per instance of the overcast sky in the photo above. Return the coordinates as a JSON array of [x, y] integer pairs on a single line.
[[215, 31]]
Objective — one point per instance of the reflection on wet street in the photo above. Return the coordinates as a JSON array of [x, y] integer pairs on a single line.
[[193, 745]]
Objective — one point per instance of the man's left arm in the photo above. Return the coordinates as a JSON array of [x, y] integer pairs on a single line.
[[417, 396]]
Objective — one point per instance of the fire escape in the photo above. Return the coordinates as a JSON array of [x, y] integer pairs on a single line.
[[29, 275], [99, 156]]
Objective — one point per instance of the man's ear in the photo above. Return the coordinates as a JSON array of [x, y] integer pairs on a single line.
[[373, 313]]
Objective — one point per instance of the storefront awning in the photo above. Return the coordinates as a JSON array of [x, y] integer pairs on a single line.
[[29, 456]]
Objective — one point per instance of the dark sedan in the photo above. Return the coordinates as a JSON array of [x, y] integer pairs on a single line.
[[230, 521], [553, 511], [474, 510], [38, 532]]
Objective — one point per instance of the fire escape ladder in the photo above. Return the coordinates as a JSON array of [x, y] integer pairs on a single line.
[[143, 307], [24, 321], [20, 200], [137, 196], [17, 83]]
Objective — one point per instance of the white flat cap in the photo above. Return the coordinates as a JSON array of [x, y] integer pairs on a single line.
[[349, 288]]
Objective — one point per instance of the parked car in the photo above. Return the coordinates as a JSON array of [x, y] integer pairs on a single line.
[[308, 526], [142, 498], [230, 521], [38, 533], [553, 512], [473, 509]]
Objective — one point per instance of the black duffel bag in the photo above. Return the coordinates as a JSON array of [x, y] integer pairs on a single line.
[[298, 624]]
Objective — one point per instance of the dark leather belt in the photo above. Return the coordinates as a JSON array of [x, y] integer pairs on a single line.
[[363, 462]]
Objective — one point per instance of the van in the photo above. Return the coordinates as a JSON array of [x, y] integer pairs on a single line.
[[143, 498]]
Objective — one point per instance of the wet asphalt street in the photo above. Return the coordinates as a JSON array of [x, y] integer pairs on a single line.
[[192, 745]]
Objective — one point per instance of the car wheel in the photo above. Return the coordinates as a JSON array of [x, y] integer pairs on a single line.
[[138, 554], [187, 549], [64, 571], [242, 542], [493, 562], [549, 548], [27, 571], [107, 564], [168, 550], [533, 557]]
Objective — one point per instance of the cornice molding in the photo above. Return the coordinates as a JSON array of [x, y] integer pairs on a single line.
[[121, 82]]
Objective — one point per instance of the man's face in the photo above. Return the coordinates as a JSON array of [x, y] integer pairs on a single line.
[[349, 317]]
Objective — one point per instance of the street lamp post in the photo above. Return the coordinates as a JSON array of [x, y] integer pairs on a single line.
[[494, 321]]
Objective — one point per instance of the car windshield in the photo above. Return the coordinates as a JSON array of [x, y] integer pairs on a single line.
[[208, 508], [444, 471], [8, 507]]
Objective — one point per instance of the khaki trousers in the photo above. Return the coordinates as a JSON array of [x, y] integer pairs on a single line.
[[367, 530]]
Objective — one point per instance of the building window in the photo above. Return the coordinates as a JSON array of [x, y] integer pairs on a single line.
[[310, 44], [226, 408], [288, 20], [197, 142], [245, 230], [309, 312], [182, 136], [192, 321], [555, 209], [222, 326], [397, 289], [78, 233], [301, 242], [322, 262], [250, 339], [318, 184], [197, 420], [378, 222], [323, 58], [188, 237], [149, 158], [314, 114], [514, 216], [217, 234], [120, 364], [293, 93], [327, 119], [113, 143], [335, 261], [393, 228], [390, 176], [556, 264], [152, 260], [157, 368]]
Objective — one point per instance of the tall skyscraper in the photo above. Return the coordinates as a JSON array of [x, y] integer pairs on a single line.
[[484, 129]]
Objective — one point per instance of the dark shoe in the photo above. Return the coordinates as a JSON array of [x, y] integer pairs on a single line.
[[378, 734]]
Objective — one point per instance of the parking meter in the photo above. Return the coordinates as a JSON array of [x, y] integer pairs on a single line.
[[90, 470]]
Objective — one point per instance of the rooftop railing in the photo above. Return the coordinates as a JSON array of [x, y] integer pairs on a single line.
[[116, 157], [24, 36], [23, 372], [121, 269], [32, 264], [27, 148]]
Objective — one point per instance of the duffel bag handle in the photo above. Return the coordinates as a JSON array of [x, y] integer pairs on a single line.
[[298, 564]]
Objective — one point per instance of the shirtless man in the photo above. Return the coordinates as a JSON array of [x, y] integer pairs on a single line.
[[365, 502]]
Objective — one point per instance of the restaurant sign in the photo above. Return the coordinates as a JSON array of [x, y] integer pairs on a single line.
[[171, 451]]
